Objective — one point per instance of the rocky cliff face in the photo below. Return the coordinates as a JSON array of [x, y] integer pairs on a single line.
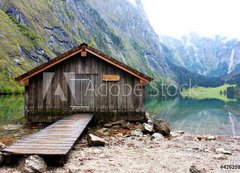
[[212, 57], [32, 32]]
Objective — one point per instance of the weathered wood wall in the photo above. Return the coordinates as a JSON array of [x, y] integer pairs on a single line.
[[109, 107]]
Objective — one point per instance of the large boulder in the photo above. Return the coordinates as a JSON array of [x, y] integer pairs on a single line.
[[32, 164], [95, 140], [162, 127]]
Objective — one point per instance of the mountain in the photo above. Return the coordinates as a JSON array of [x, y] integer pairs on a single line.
[[32, 32], [210, 57], [186, 78]]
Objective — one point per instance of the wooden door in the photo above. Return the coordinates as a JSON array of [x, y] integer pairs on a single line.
[[84, 95]]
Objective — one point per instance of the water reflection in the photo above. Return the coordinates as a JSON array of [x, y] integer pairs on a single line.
[[13, 125], [208, 116]]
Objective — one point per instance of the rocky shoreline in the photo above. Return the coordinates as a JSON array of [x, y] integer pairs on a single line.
[[134, 147]]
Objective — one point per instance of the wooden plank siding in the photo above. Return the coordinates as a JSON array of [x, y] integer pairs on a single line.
[[51, 108]]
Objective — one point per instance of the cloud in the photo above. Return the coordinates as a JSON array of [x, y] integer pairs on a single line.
[[205, 17]]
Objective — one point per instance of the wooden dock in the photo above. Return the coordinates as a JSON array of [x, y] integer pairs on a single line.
[[54, 140]]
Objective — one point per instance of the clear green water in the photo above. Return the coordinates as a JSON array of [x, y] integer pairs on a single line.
[[12, 122], [11, 109], [208, 116]]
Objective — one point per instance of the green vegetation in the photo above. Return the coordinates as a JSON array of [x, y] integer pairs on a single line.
[[24, 29], [205, 93], [11, 87], [57, 26]]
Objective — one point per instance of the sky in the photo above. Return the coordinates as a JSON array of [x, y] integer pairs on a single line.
[[205, 17]]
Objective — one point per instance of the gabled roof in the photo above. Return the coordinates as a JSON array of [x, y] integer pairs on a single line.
[[76, 50]]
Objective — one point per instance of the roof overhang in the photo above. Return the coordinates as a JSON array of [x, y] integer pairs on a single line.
[[23, 79]]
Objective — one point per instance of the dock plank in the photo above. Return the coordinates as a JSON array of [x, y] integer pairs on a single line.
[[56, 139]]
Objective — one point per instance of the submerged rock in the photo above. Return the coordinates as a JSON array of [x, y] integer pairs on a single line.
[[32, 164], [95, 140], [147, 128], [162, 127]]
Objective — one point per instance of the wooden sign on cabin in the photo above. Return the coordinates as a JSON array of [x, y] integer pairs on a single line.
[[69, 84], [110, 78]]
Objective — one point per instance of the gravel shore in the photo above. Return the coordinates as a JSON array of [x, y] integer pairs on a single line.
[[126, 151]]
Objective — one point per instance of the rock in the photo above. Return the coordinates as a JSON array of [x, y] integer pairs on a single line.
[[223, 151], [193, 169], [137, 132], [2, 146], [162, 127], [177, 133], [220, 157], [201, 138], [102, 132], [1, 159], [109, 125], [117, 127], [157, 137], [120, 122], [32, 164], [127, 125], [149, 120], [211, 138], [119, 135], [95, 140], [147, 128], [11, 127]]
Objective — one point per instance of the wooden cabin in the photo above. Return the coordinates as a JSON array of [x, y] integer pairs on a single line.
[[84, 80]]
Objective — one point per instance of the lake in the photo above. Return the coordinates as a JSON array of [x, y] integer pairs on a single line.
[[207, 116], [12, 122]]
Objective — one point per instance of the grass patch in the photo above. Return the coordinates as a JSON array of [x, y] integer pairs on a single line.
[[207, 93]]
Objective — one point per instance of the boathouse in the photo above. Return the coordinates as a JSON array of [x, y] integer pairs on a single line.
[[84, 80]]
